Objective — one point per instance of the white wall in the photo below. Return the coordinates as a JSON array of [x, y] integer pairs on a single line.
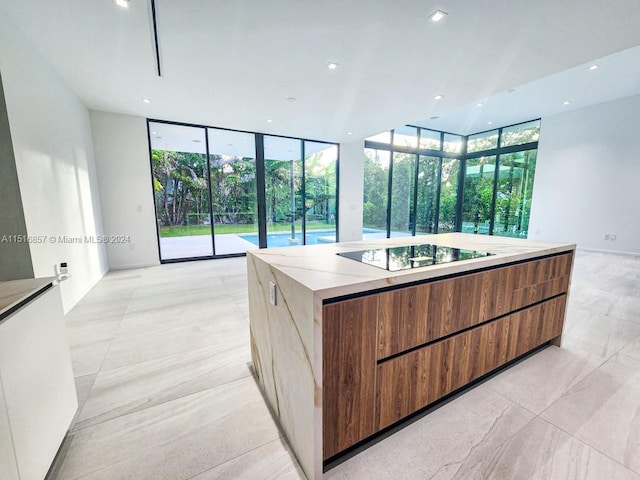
[[588, 177], [54, 159], [351, 190], [124, 175]]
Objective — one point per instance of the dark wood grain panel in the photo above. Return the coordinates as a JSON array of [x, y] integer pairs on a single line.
[[403, 319], [410, 382], [349, 372], [541, 279], [412, 316], [415, 315]]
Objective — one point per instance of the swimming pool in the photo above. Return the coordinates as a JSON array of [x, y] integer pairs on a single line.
[[282, 239]]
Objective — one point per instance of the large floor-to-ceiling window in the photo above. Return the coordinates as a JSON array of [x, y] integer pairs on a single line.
[[418, 180], [222, 192], [410, 182]]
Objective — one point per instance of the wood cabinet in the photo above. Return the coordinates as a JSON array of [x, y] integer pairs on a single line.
[[413, 316], [349, 372], [409, 382], [387, 355]]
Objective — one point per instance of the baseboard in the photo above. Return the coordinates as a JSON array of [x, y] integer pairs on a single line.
[[132, 266], [616, 252]]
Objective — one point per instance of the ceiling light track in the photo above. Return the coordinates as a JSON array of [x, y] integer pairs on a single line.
[[154, 24]]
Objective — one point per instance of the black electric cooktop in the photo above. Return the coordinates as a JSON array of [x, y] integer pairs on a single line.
[[412, 256]]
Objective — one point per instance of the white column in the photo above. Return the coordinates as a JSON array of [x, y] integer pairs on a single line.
[[351, 190]]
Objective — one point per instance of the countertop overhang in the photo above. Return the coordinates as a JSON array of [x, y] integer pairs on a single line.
[[328, 275], [16, 293]]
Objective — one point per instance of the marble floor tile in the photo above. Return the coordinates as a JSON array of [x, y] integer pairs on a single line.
[[89, 341], [124, 390], [83, 388], [175, 440], [626, 308], [598, 334], [87, 357], [632, 349], [165, 298], [448, 441], [592, 299], [94, 329], [603, 410], [161, 356], [272, 461], [541, 451], [539, 380], [141, 343], [152, 315], [97, 309]]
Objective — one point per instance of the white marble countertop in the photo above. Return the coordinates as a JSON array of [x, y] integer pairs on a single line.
[[321, 270], [13, 292]]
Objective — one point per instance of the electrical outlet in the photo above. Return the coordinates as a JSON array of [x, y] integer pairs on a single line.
[[607, 236], [612, 236], [272, 294]]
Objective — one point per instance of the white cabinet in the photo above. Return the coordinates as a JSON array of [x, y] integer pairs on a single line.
[[38, 384], [8, 467]]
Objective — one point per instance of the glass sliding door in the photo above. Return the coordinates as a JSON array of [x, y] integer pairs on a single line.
[[283, 191], [427, 199], [478, 195], [205, 187], [448, 195], [320, 192], [233, 191], [376, 192], [402, 188], [513, 196], [181, 190]]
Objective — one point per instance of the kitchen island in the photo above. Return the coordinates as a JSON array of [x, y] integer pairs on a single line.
[[351, 339]]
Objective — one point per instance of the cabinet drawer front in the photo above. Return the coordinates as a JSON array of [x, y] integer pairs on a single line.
[[349, 369], [541, 279], [410, 382], [412, 316]]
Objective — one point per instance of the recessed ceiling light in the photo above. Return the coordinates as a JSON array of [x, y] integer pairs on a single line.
[[435, 117], [489, 122], [437, 16], [153, 133], [291, 99], [122, 3], [438, 97], [349, 133], [566, 102], [479, 104], [332, 65], [269, 120], [146, 100], [593, 67]]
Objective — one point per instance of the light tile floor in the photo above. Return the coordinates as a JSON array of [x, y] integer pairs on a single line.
[[162, 360]]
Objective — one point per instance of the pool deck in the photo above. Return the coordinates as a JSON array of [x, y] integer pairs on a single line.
[[200, 245]]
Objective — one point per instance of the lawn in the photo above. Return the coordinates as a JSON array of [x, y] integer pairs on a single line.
[[192, 230]]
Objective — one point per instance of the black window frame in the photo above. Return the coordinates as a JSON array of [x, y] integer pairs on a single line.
[[260, 186]]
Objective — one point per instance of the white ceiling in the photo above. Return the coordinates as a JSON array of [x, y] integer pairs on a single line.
[[234, 63]]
